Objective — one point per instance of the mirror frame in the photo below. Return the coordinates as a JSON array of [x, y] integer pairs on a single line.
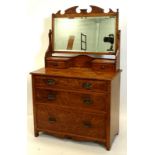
[[95, 12]]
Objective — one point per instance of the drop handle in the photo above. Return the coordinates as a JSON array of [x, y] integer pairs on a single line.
[[50, 81], [87, 85], [51, 97], [52, 120], [87, 101], [87, 124]]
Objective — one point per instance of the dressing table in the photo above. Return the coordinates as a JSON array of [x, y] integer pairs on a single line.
[[77, 94]]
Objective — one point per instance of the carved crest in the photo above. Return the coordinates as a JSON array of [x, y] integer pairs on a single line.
[[94, 10]]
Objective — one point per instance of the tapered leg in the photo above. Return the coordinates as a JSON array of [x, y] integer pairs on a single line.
[[36, 133], [108, 143], [108, 147]]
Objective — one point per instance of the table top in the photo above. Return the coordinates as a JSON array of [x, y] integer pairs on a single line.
[[75, 72]]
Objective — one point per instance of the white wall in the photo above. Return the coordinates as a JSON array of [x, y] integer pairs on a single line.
[[39, 22]]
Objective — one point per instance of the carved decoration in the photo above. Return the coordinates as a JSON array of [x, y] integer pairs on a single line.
[[81, 61], [94, 10], [71, 13], [49, 49], [71, 10]]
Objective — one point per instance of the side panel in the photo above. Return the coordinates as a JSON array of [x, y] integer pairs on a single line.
[[114, 107], [36, 133]]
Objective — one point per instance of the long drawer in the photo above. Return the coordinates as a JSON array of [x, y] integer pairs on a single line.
[[89, 101], [71, 83], [52, 118]]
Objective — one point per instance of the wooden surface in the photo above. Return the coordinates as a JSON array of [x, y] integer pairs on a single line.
[[71, 84], [83, 61], [78, 97], [105, 66], [114, 107], [85, 73], [59, 119], [89, 101], [95, 12], [65, 107]]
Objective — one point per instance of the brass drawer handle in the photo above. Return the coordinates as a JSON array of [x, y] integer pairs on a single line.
[[87, 101], [50, 81], [51, 97], [87, 85], [52, 120], [87, 124]]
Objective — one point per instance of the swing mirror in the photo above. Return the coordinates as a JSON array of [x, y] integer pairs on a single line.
[[84, 32]]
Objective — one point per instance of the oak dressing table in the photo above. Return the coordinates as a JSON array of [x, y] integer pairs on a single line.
[[77, 94]]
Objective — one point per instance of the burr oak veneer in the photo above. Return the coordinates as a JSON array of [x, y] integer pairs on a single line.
[[78, 96]]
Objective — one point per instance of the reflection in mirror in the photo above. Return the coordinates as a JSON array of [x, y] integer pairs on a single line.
[[85, 34]]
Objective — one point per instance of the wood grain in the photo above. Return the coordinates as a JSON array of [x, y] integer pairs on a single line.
[[78, 97], [103, 65], [75, 72], [71, 83], [79, 123], [84, 101]]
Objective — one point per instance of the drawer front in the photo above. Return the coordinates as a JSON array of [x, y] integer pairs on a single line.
[[57, 64], [69, 83], [87, 101], [103, 66], [63, 120]]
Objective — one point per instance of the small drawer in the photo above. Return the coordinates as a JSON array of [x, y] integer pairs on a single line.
[[50, 118], [85, 101], [103, 65], [71, 83], [57, 64]]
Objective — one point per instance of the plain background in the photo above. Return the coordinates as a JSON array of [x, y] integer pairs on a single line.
[[19, 56]]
